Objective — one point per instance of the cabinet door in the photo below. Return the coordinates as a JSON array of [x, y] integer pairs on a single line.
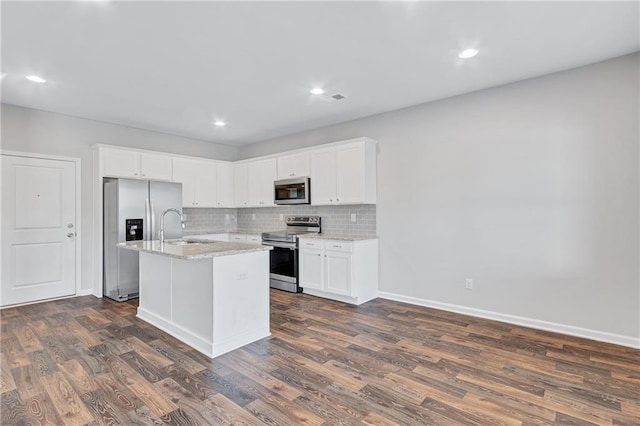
[[254, 239], [183, 172], [121, 163], [155, 167], [212, 237], [295, 165], [224, 185], [350, 173], [262, 174], [240, 185], [311, 261], [204, 184], [323, 176], [338, 272]]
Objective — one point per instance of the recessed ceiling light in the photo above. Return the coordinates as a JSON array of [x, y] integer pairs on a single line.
[[468, 53], [219, 123], [36, 79], [317, 91]]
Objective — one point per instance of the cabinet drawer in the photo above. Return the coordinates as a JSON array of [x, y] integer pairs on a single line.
[[314, 244], [335, 245], [212, 237]]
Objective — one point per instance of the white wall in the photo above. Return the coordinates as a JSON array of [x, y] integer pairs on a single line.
[[531, 189], [42, 132]]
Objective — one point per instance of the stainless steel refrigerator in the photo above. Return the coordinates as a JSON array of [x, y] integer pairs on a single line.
[[133, 211]]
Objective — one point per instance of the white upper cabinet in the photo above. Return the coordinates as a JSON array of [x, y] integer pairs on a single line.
[[293, 165], [350, 174], [261, 176], [134, 164], [344, 174], [155, 167], [198, 179], [323, 176], [240, 185], [341, 173], [224, 184]]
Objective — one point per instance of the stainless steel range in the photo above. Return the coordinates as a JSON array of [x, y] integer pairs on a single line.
[[283, 272]]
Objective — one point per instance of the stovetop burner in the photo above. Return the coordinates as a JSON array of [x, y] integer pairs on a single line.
[[296, 225]]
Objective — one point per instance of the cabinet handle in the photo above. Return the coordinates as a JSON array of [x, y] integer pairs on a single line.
[[331, 200], [337, 246], [144, 174], [135, 174], [319, 254], [337, 199]]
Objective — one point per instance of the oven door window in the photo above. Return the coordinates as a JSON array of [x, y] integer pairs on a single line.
[[284, 262], [294, 191]]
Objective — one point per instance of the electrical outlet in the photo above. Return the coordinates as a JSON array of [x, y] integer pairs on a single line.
[[353, 217], [468, 284], [242, 275], [281, 216], [253, 216]]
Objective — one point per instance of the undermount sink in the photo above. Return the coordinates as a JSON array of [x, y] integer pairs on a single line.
[[185, 242]]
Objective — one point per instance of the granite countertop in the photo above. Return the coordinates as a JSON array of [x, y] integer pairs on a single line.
[[224, 231], [341, 237], [207, 249]]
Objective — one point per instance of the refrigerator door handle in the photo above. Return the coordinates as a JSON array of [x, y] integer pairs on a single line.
[[153, 220], [147, 220]]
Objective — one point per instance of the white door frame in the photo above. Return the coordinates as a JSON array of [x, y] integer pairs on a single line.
[[78, 171]]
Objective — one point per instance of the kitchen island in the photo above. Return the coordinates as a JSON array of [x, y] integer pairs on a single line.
[[213, 296]]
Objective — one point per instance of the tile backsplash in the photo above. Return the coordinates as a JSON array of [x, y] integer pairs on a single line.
[[335, 219], [207, 220]]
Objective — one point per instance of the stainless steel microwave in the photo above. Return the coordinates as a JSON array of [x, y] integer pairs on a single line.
[[292, 191]]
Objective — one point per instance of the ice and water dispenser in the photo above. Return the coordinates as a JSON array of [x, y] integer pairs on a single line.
[[133, 231]]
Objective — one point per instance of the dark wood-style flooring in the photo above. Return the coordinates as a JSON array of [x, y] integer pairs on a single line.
[[90, 361]]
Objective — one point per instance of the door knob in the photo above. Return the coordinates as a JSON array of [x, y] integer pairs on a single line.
[[70, 225], [71, 235]]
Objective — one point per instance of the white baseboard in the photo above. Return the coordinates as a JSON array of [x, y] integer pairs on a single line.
[[208, 348], [196, 342], [85, 292], [239, 340], [618, 339]]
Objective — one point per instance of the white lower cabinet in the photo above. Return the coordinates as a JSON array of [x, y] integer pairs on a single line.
[[231, 236], [245, 238], [311, 263], [254, 239], [212, 237], [341, 270]]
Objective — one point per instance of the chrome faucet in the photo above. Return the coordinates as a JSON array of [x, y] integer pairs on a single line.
[[162, 222]]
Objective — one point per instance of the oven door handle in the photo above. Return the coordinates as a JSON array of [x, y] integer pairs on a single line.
[[279, 245]]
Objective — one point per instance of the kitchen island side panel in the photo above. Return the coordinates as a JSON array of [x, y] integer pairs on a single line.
[[214, 304], [244, 280], [155, 285], [192, 296]]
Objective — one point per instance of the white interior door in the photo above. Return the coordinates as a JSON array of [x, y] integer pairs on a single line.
[[38, 229]]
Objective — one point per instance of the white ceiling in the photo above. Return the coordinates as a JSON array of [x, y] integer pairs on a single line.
[[175, 67]]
